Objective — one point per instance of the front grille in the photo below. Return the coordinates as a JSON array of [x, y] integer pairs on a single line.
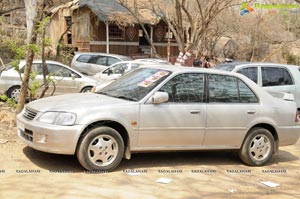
[[29, 113], [27, 134]]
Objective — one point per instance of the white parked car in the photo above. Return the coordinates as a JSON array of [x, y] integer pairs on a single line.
[[272, 77], [67, 80], [154, 60], [116, 70], [90, 63], [162, 108]]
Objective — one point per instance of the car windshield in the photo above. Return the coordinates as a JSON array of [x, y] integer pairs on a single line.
[[135, 85]]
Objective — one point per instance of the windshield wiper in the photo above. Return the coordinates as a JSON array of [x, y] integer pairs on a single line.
[[119, 97], [102, 93], [125, 98]]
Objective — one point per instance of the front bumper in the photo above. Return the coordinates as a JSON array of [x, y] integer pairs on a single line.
[[48, 137]]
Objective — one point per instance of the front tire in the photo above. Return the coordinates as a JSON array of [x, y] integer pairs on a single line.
[[14, 93], [86, 89], [101, 148], [258, 147]]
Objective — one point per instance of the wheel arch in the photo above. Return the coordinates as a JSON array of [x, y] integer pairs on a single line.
[[112, 124], [270, 128], [87, 86]]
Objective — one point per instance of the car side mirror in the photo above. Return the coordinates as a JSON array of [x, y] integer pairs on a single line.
[[109, 72], [73, 76], [159, 97]]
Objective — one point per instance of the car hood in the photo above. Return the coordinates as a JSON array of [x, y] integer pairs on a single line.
[[74, 102], [90, 78]]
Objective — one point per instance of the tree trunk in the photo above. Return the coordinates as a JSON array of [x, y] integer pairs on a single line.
[[45, 71], [29, 57]]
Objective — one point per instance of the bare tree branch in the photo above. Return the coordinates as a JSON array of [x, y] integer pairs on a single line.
[[3, 12]]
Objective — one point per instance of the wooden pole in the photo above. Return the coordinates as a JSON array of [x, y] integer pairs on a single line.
[[151, 38], [169, 44], [107, 36]]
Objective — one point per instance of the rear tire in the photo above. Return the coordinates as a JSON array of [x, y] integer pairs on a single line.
[[258, 147], [14, 93], [101, 148]]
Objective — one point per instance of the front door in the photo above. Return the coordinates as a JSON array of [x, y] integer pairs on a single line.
[[181, 121]]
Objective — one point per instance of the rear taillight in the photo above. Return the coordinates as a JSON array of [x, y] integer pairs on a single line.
[[297, 116]]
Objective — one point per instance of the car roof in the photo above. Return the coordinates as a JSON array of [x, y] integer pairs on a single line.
[[104, 54], [23, 61], [134, 62], [174, 68], [233, 65]]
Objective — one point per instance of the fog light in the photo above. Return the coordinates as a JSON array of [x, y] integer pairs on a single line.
[[41, 138]]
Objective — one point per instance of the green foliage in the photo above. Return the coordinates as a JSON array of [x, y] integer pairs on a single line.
[[34, 48], [49, 78], [42, 24], [10, 102], [34, 87], [3, 98], [15, 63], [16, 48], [33, 76], [47, 41]]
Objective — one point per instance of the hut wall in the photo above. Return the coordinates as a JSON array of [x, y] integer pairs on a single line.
[[57, 28], [81, 29], [127, 44]]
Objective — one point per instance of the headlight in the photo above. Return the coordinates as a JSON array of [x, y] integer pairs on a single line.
[[58, 118]]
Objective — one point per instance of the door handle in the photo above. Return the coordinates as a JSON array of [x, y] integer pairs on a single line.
[[195, 111], [251, 111]]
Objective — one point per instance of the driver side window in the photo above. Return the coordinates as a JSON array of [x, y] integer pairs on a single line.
[[185, 88]]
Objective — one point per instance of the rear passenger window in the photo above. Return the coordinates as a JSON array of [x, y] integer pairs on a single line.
[[84, 58], [273, 76], [250, 72], [228, 89], [223, 88], [246, 94]]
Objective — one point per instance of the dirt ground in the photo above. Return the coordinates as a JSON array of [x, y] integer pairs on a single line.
[[27, 173]]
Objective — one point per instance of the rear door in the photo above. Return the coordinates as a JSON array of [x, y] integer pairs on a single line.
[[275, 78], [231, 108]]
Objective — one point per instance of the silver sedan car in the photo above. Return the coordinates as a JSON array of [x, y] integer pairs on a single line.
[[90, 63], [163, 108], [66, 80], [117, 70]]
